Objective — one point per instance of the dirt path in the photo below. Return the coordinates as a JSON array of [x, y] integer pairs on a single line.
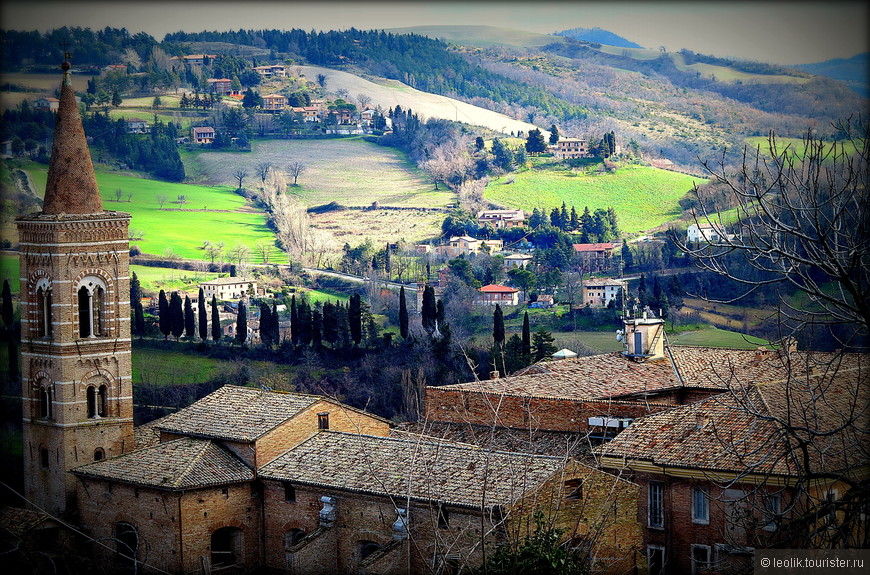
[[392, 92]]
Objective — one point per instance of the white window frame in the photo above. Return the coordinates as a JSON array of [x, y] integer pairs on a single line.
[[649, 551], [657, 501], [700, 519], [696, 568]]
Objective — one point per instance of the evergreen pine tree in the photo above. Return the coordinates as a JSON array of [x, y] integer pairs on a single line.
[[403, 314], [440, 316], [215, 320], [514, 358], [203, 316], [176, 315], [574, 222], [189, 319], [564, 220], [554, 134], [627, 257], [542, 341], [316, 328], [585, 226], [138, 327], [305, 323], [242, 323], [163, 315]]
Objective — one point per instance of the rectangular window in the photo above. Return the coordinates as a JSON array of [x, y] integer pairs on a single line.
[[443, 517], [574, 489], [700, 506], [322, 421], [655, 506], [289, 492], [700, 559], [772, 509], [655, 557]]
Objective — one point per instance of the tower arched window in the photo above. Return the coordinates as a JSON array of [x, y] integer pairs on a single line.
[[91, 395], [102, 401], [91, 300], [45, 401], [43, 311]]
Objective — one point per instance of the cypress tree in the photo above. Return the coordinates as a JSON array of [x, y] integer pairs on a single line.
[[305, 323], [176, 315], [498, 326], [439, 314], [354, 317], [203, 317], [276, 328], [294, 321], [265, 325], [403, 314], [138, 327], [242, 323], [527, 339], [428, 312], [163, 315], [330, 323], [215, 320], [627, 257], [189, 318], [543, 341], [316, 328]]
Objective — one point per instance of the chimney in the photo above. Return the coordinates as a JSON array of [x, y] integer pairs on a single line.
[[493, 374]]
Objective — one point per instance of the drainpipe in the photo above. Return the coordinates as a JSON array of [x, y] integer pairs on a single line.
[[180, 534]]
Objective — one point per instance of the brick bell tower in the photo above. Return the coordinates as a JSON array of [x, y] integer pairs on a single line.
[[75, 322]]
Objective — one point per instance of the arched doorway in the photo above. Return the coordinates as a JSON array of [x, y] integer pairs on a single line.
[[226, 546]]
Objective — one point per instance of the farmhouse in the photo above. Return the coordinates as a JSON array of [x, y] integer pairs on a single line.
[[707, 232], [570, 148], [220, 86], [137, 126], [203, 135], [276, 70], [230, 288], [501, 219], [517, 261], [599, 292], [595, 258], [50, 104], [274, 103], [467, 245], [493, 294]]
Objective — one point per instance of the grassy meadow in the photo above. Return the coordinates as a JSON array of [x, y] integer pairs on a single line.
[[212, 213], [643, 197]]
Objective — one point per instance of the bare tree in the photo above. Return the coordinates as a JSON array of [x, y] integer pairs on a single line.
[[162, 199], [803, 221], [295, 169], [239, 253], [181, 199], [240, 174], [264, 249], [364, 101], [118, 193], [262, 170]]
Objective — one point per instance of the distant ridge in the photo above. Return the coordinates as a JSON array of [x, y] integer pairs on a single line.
[[599, 36], [851, 71]]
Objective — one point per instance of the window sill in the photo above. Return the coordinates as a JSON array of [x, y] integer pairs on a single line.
[[700, 521]]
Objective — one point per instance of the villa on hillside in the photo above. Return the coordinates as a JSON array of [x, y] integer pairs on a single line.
[[203, 135], [229, 288], [599, 292], [493, 294], [570, 148], [501, 219]]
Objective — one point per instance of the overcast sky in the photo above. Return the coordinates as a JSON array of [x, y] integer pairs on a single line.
[[780, 32]]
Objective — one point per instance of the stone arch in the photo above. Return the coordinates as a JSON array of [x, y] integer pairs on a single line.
[[44, 395], [39, 298], [227, 546], [100, 399], [93, 290]]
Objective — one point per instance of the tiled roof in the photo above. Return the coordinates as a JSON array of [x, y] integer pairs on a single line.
[[227, 281], [611, 375], [147, 434], [592, 377], [186, 463], [600, 282], [236, 413], [495, 288], [17, 521], [745, 429], [424, 470], [594, 247]]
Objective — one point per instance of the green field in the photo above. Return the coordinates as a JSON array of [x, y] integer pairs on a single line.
[[9, 269], [167, 367], [154, 279], [212, 213], [797, 146], [715, 337], [643, 197]]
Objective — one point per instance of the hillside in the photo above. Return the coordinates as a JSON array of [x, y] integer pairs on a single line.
[[854, 71], [599, 36]]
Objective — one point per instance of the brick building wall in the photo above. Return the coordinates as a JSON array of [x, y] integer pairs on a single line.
[[364, 517], [602, 516], [539, 413], [174, 528]]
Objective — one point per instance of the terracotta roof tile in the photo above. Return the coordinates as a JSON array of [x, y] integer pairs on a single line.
[[425, 470], [236, 413], [186, 463]]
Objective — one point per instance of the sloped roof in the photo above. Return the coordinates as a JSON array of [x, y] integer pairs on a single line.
[[747, 429], [424, 470], [601, 282], [186, 463], [594, 247], [236, 413], [495, 288]]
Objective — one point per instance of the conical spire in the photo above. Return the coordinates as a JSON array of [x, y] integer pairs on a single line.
[[72, 185]]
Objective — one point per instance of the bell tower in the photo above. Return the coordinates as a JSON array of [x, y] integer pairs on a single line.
[[75, 321]]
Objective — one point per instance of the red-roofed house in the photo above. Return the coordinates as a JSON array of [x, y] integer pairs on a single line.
[[274, 103], [220, 85], [596, 257], [496, 294]]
